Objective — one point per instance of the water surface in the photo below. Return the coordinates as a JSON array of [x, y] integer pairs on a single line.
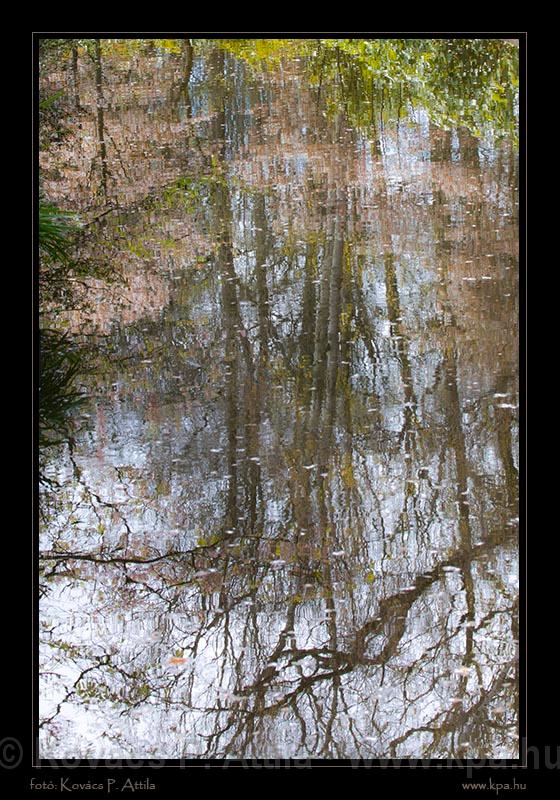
[[287, 525]]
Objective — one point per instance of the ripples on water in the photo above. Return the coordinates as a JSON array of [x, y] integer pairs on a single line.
[[292, 502]]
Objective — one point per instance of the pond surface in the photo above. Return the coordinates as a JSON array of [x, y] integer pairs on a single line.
[[287, 524]]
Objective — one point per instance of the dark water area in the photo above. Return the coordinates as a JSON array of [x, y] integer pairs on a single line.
[[287, 524]]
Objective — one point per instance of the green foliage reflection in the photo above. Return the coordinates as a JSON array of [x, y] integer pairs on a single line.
[[459, 82]]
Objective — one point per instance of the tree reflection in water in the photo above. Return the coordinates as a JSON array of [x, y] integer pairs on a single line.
[[289, 526]]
